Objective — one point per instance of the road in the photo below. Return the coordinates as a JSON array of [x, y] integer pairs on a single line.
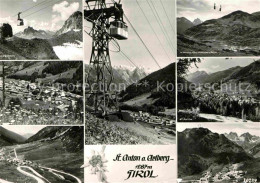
[[40, 179], [53, 170], [222, 118]]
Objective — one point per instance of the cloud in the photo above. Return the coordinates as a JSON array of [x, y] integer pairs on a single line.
[[35, 1], [63, 10]]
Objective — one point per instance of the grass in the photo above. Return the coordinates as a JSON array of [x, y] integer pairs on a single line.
[[99, 131]]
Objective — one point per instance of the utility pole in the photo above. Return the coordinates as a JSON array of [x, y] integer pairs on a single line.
[[3, 83], [100, 74]]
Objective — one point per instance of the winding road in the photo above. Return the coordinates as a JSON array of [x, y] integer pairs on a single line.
[[40, 179]]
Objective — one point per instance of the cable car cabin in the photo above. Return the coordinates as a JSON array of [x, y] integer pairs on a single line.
[[118, 30], [20, 23]]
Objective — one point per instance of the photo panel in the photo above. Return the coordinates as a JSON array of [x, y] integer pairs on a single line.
[[130, 93], [41, 154], [220, 28], [219, 90], [41, 92], [218, 152], [45, 30], [130, 164]]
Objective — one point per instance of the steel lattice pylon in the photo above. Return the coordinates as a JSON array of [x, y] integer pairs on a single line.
[[100, 73]]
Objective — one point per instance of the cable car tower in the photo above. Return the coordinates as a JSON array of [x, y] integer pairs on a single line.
[[107, 24]]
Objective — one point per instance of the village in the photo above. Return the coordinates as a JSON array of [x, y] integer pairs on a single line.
[[28, 103]]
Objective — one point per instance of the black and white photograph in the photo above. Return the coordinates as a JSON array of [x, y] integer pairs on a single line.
[[130, 72], [218, 152], [218, 90], [218, 28], [41, 154], [41, 30], [41, 92]]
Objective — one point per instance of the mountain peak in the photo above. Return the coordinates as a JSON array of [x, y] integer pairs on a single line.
[[197, 21], [74, 22]]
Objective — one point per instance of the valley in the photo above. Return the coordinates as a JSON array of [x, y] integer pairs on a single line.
[[207, 156], [231, 94], [29, 162]]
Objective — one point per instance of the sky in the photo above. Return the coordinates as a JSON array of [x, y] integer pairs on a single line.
[[211, 65], [24, 129], [221, 128], [52, 16], [204, 9], [133, 47]]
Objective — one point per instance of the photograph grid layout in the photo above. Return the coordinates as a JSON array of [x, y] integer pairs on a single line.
[[129, 91]]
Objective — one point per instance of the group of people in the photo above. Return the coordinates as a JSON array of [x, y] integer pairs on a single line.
[[227, 105]]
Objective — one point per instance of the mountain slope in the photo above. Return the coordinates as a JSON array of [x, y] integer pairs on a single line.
[[58, 71], [183, 24], [155, 86], [71, 137], [8, 137], [199, 148]]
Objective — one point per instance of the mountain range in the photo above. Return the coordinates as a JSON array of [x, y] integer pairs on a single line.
[[250, 143], [238, 28], [249, 73], [31, 33], [184, 24], [199, 149], [122, 75]]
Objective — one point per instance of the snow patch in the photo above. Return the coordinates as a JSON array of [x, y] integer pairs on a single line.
[[69, 51]]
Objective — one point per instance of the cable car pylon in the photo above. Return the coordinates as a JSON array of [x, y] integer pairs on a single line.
[[107, 23]]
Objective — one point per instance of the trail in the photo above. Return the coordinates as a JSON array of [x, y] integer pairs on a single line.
[[39, 180]]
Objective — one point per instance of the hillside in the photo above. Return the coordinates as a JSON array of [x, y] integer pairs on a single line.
[[8, 137], [199, 148], [31, 49], [153, 87], [72, 137], [45, 72]]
